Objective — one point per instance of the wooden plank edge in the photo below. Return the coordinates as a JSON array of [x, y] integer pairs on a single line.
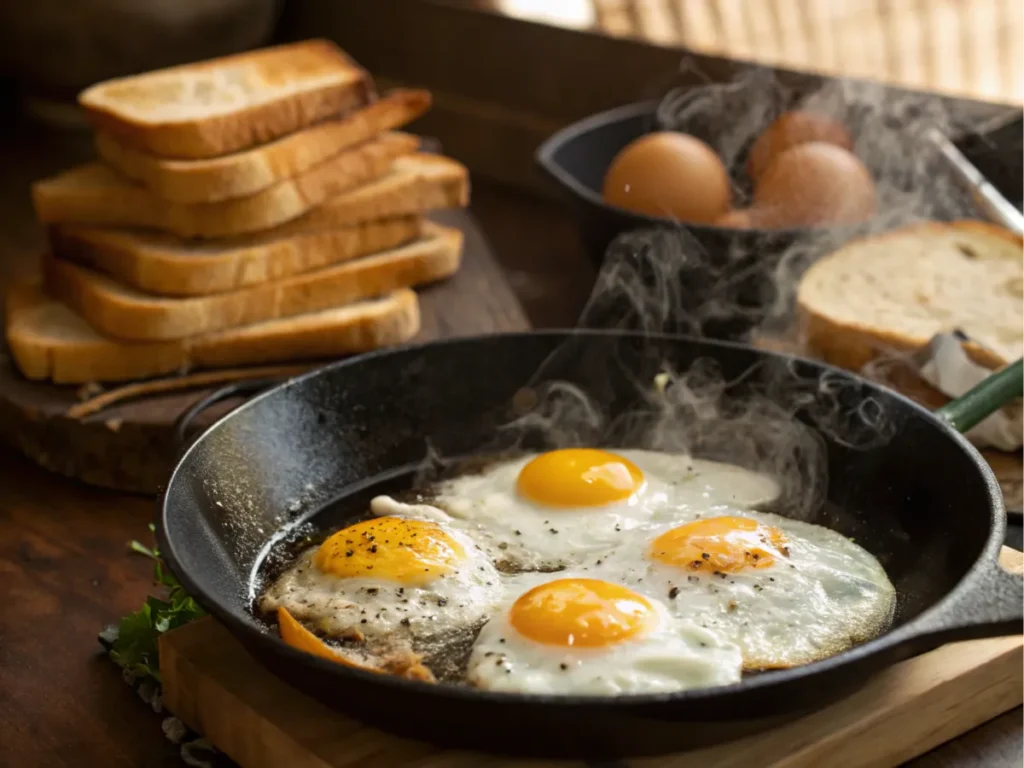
[[228, 711], [232, 697]]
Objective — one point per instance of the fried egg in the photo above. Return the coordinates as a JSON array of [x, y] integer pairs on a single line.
[[389, 578], [785, 591], [591, 637], [548, 510]]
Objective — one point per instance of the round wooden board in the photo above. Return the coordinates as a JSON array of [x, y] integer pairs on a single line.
[[130, 446]]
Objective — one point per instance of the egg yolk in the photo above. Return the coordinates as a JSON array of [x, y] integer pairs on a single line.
[[578, 477], [412, 552], [581, 613], [723, 544]]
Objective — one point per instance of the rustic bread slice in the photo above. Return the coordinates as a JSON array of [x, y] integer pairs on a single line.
[[48, 340], [126, 313], [245, 173], [165, 265], [894, 291], [376, 216], [416, 182], [93, 194], [223, 105]]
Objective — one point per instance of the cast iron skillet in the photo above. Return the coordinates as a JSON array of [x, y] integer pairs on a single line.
[[922, 500]]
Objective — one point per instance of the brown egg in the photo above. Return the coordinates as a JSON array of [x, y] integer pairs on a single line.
[[738, 218], [792, 129], [815, 184], [669, 174], [750, 218]]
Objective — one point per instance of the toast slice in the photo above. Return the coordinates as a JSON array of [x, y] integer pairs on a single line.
[[48, 340], [93, 194], [416, 183], [165, 265], [126, 313], [231, 103], [245, 173], [376, 216], [894, 291]]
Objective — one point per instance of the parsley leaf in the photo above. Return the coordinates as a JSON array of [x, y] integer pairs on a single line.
[[133, 643]]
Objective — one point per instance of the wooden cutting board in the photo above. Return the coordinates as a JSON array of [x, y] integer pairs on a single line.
[[129, 446], [219, 691]]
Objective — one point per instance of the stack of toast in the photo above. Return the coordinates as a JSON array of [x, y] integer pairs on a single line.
[[254, 209]]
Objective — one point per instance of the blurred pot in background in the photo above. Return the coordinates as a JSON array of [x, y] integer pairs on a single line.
[[52, 49]]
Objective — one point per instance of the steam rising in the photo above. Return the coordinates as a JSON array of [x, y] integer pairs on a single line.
[[771, 417], [890, 133]]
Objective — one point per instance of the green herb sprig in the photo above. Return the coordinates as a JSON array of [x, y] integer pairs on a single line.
[[133, 642]]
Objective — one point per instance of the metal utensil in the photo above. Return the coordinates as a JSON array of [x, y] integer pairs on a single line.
[[985, 196]]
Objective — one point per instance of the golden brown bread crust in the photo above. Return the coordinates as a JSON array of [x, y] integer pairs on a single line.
[[247, 126], [105, 200], [75, 355], [164, 266], [48, 341], [126, 314], [418, 182], [245, 173], [309, 340], [854, 346]]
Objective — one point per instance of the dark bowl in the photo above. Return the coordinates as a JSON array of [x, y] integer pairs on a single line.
[[715, 266], [727, 281], [577, 157]]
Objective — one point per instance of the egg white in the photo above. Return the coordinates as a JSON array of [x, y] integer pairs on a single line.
[[673, 656], [825, 596], [520, 531], [377, 608]]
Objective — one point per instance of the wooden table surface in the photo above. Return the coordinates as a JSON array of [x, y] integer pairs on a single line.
[[65, 571]]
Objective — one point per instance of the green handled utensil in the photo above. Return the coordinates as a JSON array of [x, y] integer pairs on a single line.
[[986, 398]]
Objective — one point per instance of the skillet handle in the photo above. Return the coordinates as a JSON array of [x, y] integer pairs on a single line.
[[990, 605], [239, 389], [985, 399]]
